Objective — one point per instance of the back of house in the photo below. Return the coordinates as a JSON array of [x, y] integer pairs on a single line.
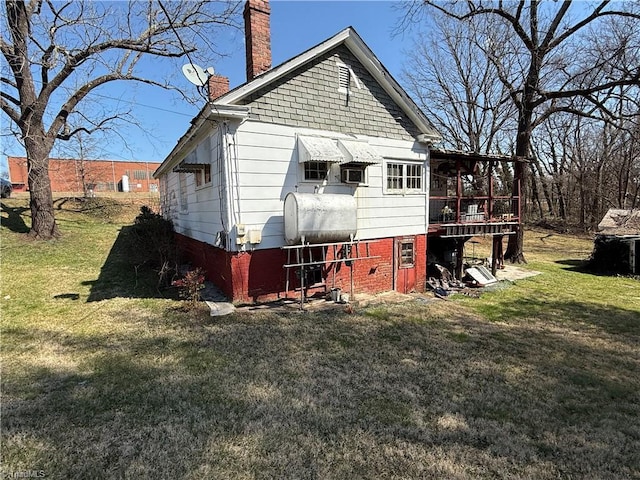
[[312, 175]]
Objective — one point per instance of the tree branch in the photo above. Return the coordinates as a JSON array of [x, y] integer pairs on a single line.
[[597, 13], [11, 113], [475, 11], [10, 98], [554, 25], [71, 104], [584, 92], [100, 125]]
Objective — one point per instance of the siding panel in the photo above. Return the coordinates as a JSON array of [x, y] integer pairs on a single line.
[[268, 169]]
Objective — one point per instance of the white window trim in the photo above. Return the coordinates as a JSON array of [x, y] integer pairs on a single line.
[[404, 190], [323, 181]]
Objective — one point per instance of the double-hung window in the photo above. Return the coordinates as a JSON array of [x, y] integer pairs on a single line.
[[404, 177]]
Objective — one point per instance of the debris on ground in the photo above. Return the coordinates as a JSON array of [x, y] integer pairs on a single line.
[[444, 284]]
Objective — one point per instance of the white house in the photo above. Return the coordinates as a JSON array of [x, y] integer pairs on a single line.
[[330, 134]]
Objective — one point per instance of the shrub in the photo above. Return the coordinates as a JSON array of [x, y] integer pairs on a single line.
[[190, 286], [154, 243]]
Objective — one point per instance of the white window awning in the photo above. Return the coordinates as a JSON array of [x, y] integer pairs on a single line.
[[192, 163], [318, 149], [188, 167], [356, 151]]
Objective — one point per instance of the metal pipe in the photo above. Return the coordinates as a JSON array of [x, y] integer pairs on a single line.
[[340, 260]]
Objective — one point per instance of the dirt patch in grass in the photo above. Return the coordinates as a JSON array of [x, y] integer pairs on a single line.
[[106, 209]]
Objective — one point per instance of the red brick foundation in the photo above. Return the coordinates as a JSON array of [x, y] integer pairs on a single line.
[[258, 276]]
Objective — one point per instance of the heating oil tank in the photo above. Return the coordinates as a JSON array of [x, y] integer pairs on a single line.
[[319, 218]]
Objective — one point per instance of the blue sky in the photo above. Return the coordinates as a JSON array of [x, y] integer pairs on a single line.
[[295, 27]]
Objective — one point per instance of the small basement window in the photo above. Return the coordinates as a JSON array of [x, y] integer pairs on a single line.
[[407, 253]]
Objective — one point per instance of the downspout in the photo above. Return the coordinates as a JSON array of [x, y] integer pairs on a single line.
[[225, 212]]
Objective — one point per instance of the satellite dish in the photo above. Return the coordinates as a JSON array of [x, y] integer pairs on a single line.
[[211, 71], [195, 74]]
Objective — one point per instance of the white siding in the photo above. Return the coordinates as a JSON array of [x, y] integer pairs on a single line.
[[255, 165], [205, 204], [267, 169]]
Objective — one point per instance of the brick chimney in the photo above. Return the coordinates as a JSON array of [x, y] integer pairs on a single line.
[[257, 37], [218, 86]]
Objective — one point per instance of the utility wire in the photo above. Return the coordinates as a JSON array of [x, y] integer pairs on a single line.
[[133, 102]]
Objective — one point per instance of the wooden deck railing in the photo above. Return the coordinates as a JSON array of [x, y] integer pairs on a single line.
[[482, 209]]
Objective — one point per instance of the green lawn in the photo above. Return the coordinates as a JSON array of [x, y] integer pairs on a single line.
[[102, 377]]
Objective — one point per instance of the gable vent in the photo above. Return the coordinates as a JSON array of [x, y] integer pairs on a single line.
[[344, 78]]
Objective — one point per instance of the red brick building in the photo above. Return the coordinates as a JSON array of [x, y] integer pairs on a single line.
[[75, 175]]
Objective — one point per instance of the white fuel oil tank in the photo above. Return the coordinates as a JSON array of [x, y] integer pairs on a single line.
[[319, 218]]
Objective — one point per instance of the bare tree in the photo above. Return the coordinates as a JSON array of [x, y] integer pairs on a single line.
[[590, 164], [454, 83], [555, 52], [81, 148], [58, 53]]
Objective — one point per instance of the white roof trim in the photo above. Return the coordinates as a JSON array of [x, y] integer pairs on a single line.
[[368, 59], [200, 126], [356, 151], [227, 111], [318, 149]]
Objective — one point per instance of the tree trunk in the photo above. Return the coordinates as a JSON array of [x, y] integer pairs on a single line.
[[515, 245], [583, 202], [43, 222], [545, 186], [597, 201], [535, 193], [515, 251], [562, 208]]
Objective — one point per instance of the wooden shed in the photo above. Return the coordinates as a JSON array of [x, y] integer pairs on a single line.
[[617, 243]]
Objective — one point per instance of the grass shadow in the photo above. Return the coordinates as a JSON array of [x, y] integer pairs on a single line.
[[586, 266], [316, 396], [125, 275], [613, 320], [14, 219], [579, 266]]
